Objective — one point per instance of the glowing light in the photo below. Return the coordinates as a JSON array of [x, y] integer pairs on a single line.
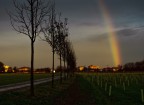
[[94, 67], [111, 33], [81, 68], [6, 68]]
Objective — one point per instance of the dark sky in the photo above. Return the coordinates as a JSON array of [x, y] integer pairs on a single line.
[[87, 32]]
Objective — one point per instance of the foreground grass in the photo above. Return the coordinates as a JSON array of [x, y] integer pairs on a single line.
[[73, 91], [84, 89], [89, 89], [44, 94], [125, 88]]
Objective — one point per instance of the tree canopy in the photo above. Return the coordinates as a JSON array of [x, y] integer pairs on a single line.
[[1, 66]]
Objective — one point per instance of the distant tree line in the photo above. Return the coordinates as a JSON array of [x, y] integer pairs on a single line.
[[128, 67], [134, 66]]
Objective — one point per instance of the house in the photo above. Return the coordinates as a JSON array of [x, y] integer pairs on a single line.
[[8, 69], [93, 68], [24, 69]]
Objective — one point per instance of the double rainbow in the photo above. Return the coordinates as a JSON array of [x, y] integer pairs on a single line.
[[115, 49]]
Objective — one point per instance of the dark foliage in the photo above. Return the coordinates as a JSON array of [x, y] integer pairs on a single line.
[[134, 67]]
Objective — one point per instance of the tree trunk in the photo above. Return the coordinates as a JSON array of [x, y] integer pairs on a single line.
[[53, 70], [32, 69], [60, 68], [32, 49], [64, 62], [64, 69]]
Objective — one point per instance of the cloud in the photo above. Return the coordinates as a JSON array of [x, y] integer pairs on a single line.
[[130, 32], [127, 32], [121, 33], [98, 38], [87, 24], [91, 22]]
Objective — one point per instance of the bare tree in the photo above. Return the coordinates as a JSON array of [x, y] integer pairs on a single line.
[[61, 36], [55, 33], [29, 15], [70, 57], [50, 33]]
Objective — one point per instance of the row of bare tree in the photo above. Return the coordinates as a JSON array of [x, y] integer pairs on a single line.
[[32, 17]]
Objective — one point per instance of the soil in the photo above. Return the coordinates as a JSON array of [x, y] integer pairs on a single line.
[[79, 92]]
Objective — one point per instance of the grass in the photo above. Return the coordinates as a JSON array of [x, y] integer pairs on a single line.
[[131, 95], [84, 89], [44, 94], [11, 78], [73, 91]]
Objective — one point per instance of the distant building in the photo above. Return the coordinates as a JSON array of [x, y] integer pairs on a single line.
[[8, 69], [112, 69], [24, 69], [43, 70], [82, 68], [93, 68]]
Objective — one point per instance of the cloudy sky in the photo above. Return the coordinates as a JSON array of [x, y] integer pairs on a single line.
[[87, 30]]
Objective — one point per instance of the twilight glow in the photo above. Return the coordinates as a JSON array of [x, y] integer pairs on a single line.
[[103, 33]]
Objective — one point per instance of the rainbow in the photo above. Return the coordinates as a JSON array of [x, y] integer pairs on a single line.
[[115, 49]]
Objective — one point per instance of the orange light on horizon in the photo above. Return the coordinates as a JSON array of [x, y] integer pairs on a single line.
[[81, 68], [94, 67]]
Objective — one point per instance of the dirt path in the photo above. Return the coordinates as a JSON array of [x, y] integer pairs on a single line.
[[24, 84], [79, 93]]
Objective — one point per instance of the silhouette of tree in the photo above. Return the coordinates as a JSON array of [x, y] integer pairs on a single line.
[[15, 69], [28, 17], [129, 66], [50, 33], [61, 36], [70, 57], [137, 66], [55, 33], [2, 67]]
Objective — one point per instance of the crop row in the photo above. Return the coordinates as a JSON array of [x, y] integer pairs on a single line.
[[119, 87]]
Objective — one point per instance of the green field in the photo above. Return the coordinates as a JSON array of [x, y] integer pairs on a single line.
[[117, 88], [11, 78], [83, 89], [44, 94]]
